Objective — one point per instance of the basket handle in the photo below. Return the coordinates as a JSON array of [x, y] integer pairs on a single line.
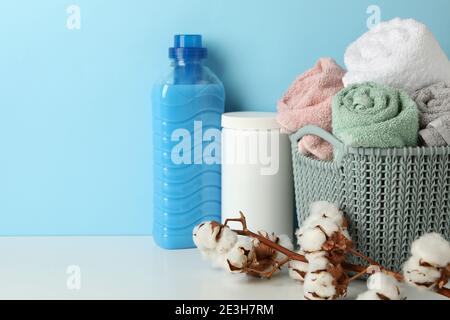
[[319, 132]]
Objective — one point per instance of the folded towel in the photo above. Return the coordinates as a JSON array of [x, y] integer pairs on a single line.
[[433, 103], [308, 102], [437, 133], [400, 53], [375, 116]]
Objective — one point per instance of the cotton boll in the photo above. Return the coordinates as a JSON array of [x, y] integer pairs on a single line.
[[420, 276], [373, 269], [309, 223], [338, 218], [300, 231], [369, 295], [320, 209], [205, 235], [323, 209], [318, 264], [385, 285], [319, 286], [382, 281], [298, 270], [327, 225], [240, 255], [381, 287], [315, 255], [227, 239], [432, 248], [313, 296], [312, 240], [284, 241]]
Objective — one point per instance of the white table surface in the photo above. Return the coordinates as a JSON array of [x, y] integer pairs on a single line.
[[131, 268]]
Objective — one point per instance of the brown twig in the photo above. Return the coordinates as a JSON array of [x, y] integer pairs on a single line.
[[245, 232], [444, 292], [360, 255], [291, 254], [358, 275], [241, 220], [268, 274], [358, 269]]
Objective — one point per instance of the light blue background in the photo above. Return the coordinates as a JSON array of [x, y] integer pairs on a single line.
[[75, 139]]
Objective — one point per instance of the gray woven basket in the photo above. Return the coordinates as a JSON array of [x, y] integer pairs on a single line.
[[390, 196]]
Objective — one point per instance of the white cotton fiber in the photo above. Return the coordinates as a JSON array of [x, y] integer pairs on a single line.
[[324, 209], [318, 264], [325, 220], [241, 253], [301, 230], [315, 255], [369, 295], [286, 242], [385, 285], [227, 239], [319, 286], [312, 240], [400, 53], [327, 225], [297, 270], [346, 234], [418, 275], [373, 269], [432, 248], [204, 235]]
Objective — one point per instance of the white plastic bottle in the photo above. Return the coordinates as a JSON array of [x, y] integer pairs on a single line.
[[257, 172]]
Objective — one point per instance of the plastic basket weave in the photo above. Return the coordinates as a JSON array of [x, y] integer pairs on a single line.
[[390, 196]]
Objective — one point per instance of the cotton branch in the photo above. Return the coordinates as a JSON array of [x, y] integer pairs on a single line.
[[359, 270]]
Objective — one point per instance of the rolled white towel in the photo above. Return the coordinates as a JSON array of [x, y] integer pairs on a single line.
[[400, 53]]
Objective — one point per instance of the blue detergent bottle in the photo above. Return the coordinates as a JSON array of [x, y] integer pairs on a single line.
[[187, 108]]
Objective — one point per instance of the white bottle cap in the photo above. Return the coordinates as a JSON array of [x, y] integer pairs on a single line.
[[250, 120]]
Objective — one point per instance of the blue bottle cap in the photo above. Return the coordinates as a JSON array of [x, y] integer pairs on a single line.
[[187, 46]]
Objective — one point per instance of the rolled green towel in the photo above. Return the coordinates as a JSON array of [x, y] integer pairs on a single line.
[[374, 116]]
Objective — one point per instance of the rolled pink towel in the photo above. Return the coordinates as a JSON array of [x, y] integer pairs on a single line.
[[308, 102]]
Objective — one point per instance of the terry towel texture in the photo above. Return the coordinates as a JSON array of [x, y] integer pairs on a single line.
[[400, 53], [375, 116], [308, 102], [433, 103]]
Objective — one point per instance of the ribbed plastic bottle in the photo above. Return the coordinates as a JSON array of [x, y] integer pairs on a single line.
[[187, 106]]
